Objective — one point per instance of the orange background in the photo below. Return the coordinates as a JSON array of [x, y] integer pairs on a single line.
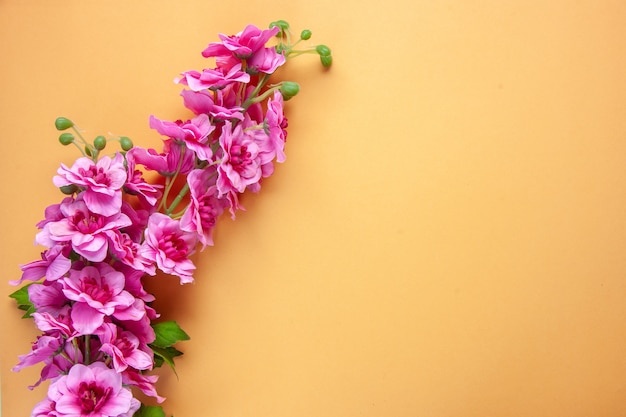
[[446, 238]]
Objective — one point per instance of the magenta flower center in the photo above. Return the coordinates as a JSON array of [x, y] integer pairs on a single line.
[[92, 396], [98, 175], [87, 224], [240, 158], [208, 212], [98, 291], [174, 247]]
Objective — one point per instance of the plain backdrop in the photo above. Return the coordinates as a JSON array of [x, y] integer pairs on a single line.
[[446, 237]]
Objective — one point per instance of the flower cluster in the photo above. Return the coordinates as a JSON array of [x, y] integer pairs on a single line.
[[114, 227]]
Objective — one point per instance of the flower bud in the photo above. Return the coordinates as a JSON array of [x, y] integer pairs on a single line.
[[66, 138], [280, 24], [326, 60], [100, 142], [88, 151], [62, 123], [289, 89], [126, 143], [69, 189], [323, 50], [305, 35]]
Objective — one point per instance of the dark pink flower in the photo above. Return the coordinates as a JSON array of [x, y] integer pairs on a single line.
[[91, 391], [174, 156], [88, 232], [169, 247], [43, 348], [48, 297], [213, 79], [124, 348], [102, 182], [277, 125], [265, 60], [242, 45], [202, 102], [204, 208], [194, 133], [97, 292], [148, 194], [127, 251]]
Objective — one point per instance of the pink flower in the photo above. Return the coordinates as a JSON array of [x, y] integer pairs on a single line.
[[88, 232], [205, 207], [53, 265], [240, 165], [169, 247], [97, 292], [147, 193], [265, 60], [277, 125], [174, 156], [145, 383], [90, 391], [213, 79], [127, 251], [43, 348], [242, 45], [194, 133], [48, 297], [124, 348], [202, 102], [102, 182]]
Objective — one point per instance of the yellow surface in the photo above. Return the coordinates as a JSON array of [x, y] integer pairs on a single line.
[[446, 238]]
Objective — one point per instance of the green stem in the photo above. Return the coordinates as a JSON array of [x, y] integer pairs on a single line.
[[178, 199], [258, 88]]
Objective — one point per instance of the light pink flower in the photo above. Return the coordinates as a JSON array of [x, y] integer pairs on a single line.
[[90, 391], [213, 79], [53, 265], [45, 408], [194, 133], [43, 348], [145, 383], [240, 166], [204, 208], [102, 182], [169, 247], [124, 348], [97, 292], [88, 232]]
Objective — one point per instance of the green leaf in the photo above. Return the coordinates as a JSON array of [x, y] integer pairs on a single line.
[[165, 355], [168, 333], [149, 411], [23, 302]]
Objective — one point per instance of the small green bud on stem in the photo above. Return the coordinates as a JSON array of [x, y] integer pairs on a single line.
[[280, 24], [126, 143], [327, 61], [69, 189], [66, 138], [62, 123], [305, 35], [323, 50], [100, 142], [289, 89]]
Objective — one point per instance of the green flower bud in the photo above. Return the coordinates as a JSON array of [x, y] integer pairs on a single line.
[[289, 89], [280, 24], [100, 142], [62, 123], [69, 189], [126, 143], [305, 35], [66, 138], [88, 151], [326, 60], [323, 50]]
